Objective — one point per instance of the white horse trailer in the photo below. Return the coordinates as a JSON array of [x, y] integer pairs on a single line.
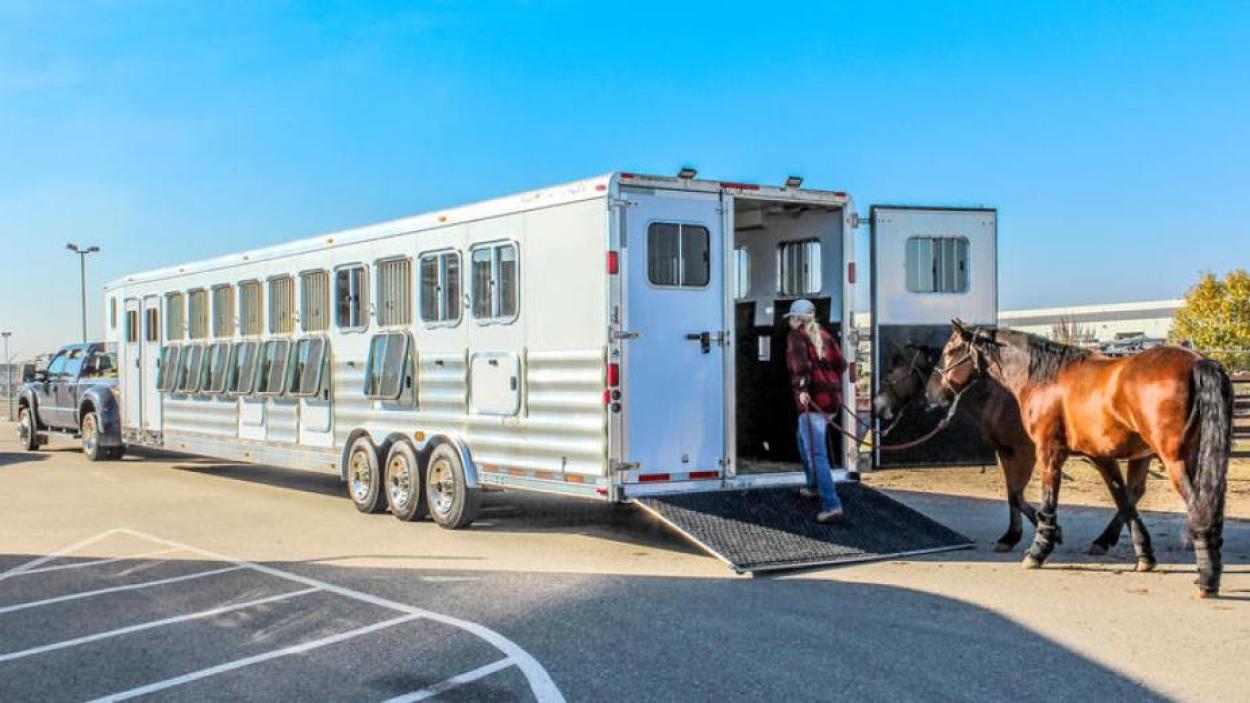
[[614, 338]]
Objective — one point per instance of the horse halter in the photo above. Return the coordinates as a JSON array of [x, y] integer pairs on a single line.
[[973, 355]]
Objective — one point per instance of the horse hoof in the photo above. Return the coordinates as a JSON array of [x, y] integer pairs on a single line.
[[1146, 564], [1003, 547], [1031, 562], [1204, 593], [1097, 549]]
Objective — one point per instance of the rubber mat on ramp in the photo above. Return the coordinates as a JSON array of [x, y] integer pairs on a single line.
[[775, 528]]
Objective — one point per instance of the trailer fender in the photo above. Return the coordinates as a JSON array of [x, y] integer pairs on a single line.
[[103, 402], [466, 459]]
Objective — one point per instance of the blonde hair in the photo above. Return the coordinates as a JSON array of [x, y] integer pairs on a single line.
[[813, 330]]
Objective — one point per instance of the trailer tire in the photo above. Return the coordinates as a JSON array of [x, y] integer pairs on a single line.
[[90, 431], [404, 489], [27, 433], [452, 503], [364, 479]]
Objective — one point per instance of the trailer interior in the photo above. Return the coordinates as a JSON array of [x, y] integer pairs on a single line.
[[783, 250]]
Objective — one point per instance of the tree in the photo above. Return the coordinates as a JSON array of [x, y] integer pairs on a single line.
[[1067, 330], [1215, 319]]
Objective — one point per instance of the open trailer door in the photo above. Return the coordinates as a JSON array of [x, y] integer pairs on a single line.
[[929, 265]]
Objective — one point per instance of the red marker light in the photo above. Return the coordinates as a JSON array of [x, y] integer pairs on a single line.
[[850, 272], [614, 263], [614, 375]]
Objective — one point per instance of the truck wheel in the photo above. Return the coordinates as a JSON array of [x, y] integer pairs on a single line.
[[91, 438], [27, 434], [116, 452], [403, 483], [452, 503], [364, 480]]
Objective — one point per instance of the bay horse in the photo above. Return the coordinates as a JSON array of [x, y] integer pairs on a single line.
[[996, 411], [1165, 401]]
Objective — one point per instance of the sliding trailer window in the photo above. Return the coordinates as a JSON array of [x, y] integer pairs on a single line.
[[251, 309], [493, 271], [281, 305], [175, 316], [275, 355], [152, 324], [112, 313], [197, 307], [440, 288], [223, 311], [394, 292], [215, 368], [678, 256], [798, 268], [132, 325], [307, 367], [241, 368], [167, 372], [388, 367], [190, 368], [351, 298], [314, 301], [937, 264]]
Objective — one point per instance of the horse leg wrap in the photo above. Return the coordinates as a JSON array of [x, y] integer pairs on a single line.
[[1048, 535], [1210, 564]]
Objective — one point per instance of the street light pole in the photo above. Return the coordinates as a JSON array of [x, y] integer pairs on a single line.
[[82, 274], [8, 365]]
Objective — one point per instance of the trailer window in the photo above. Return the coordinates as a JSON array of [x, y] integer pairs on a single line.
[[223, 310], [388, 365], [250, 309], [197, 314], [306, 371], [937, 264], [152, 324], [350, 298], [112, 313], [190, 368], [274, 357], [742, 268], [394, 292], [314, 303], [281, 305], [174, 317], [214, 380], [440, 288], [241, 369], [132, 325], [798, 268], [493, 271], [167, 372], [678, 255]]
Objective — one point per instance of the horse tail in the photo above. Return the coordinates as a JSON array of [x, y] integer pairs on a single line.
[[1211, 392]]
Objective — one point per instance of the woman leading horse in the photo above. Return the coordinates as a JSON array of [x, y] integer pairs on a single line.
[[1165, 401]]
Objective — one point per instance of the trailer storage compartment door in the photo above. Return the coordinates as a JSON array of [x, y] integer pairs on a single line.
[[674, 380], [929, 265]]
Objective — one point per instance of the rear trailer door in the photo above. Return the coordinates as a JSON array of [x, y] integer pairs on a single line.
[[929, 265], [674, 380], [130, 373]]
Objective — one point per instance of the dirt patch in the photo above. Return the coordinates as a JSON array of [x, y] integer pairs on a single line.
[[1081, 485]]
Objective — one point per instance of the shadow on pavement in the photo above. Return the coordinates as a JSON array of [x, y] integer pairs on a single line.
[[13, 458]]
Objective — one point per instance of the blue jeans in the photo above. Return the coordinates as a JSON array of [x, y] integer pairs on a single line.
[[814, 449]]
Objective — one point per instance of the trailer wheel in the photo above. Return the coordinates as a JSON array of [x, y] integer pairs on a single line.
[[27, 434], [364, 480], [403, 483], [91, 438], [453, 504]]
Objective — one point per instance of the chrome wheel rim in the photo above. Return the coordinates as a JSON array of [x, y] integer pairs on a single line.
[[90, 436], [442, 486], [360, 476], [23, 428], [399, 481]]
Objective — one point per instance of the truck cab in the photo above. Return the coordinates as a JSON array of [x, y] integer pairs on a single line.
[[75, 396]]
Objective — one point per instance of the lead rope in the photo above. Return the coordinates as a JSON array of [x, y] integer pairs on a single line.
[[941, 425]]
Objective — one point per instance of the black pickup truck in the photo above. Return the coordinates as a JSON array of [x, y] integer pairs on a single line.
[[77, 396]]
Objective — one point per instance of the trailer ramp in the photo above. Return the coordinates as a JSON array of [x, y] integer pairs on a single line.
[[771, 529]]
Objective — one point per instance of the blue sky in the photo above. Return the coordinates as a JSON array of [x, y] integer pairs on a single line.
[[1113, 137]]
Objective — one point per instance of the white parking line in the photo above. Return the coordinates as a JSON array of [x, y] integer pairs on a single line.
[[23, 568], [149, 625], [256, 659], [541, 685], [116, 589], [460, 680], [97, 562]]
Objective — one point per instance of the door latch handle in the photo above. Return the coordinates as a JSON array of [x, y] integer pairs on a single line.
[[703, 338]]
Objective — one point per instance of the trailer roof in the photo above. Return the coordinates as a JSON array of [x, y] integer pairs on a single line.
[[587, 189]]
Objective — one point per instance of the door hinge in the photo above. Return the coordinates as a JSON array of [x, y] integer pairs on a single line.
[[724, 462], [621, 202], [625, 465], [624, 334]]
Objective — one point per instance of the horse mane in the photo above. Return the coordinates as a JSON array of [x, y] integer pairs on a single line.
[[1046, 357]]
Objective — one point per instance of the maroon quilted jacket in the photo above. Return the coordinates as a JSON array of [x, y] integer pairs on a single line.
[[820, 378]]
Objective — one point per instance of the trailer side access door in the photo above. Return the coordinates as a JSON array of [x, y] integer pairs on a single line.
[[674, 366], [929, 265]]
